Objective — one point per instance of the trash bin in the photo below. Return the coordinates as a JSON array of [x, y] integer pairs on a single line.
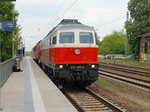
[[18, 63], [16, 67]]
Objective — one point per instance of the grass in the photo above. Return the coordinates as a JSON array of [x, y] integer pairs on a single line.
[[148, 109], [102, 82], [123, 91], [109, 86], [126, 62]]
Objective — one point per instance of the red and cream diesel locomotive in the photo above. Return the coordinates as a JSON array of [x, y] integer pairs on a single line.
[[69, 53]]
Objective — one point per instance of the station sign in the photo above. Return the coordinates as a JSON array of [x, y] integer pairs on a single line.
[[7, 25]]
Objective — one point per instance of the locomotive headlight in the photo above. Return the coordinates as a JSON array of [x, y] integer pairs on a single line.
[[60, 66], [93, 66], [77, 51]]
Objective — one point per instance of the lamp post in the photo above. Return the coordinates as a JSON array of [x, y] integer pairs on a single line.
[[13, 34], [126, 44], [13, 37]]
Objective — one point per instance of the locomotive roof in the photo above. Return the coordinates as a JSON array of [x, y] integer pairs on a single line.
[[70, 23], [74, 26]]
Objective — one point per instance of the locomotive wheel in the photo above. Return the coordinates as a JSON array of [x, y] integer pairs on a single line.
[[43, 67], [50, 72]]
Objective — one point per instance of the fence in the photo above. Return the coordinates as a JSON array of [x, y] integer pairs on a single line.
[[6, 68]]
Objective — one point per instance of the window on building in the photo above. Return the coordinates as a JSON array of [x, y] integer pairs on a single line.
[[146, 47]]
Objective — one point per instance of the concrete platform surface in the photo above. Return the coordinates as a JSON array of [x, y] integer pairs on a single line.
[[32, 91]]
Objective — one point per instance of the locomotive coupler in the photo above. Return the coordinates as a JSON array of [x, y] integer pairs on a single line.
[[78, 76]]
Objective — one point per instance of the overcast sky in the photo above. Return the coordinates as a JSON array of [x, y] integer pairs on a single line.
[[38, 17]]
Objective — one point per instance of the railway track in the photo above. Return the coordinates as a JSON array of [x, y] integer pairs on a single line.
[[87, 101], [132, 76], [126, 79], [127, 75], [128, 69], [127, 66]]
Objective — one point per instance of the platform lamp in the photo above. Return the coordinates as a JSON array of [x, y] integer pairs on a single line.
[[13, 34]]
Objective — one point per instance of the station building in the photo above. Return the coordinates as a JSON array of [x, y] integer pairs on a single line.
[[145, 47]]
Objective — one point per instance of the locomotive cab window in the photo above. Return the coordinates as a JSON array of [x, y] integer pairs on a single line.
[[86, 37], [54, 41], [49, 41], [66, 37]]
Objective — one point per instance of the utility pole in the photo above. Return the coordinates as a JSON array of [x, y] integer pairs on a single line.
[[126, 44], [13, 37]]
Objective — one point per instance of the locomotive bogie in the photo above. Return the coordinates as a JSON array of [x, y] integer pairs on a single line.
[[76, 73]]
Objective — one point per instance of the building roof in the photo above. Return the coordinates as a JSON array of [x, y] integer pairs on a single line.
[[144, 35]]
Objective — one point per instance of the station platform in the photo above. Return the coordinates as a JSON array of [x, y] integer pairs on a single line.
[[32, 91]]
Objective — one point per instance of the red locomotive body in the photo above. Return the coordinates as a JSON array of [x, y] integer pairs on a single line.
[[69, 53], [37, 51]]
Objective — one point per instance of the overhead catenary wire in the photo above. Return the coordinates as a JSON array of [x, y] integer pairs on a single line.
[[62, 13], [109, 22], [57, 11]]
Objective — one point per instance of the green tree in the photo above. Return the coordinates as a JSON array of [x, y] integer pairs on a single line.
[[139, 22], [113, 44], [7, 13]]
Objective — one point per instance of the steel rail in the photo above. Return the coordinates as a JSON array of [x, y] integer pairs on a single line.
[[119, 74], [128, 70], [127, 80], [106, 102], [76, 105], [127, 66], [108, 105]]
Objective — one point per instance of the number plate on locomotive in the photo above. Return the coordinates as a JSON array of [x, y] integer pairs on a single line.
[[77, 67]]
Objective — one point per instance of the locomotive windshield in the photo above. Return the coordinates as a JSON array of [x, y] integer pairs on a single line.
[[86, 37], [66, 37]]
